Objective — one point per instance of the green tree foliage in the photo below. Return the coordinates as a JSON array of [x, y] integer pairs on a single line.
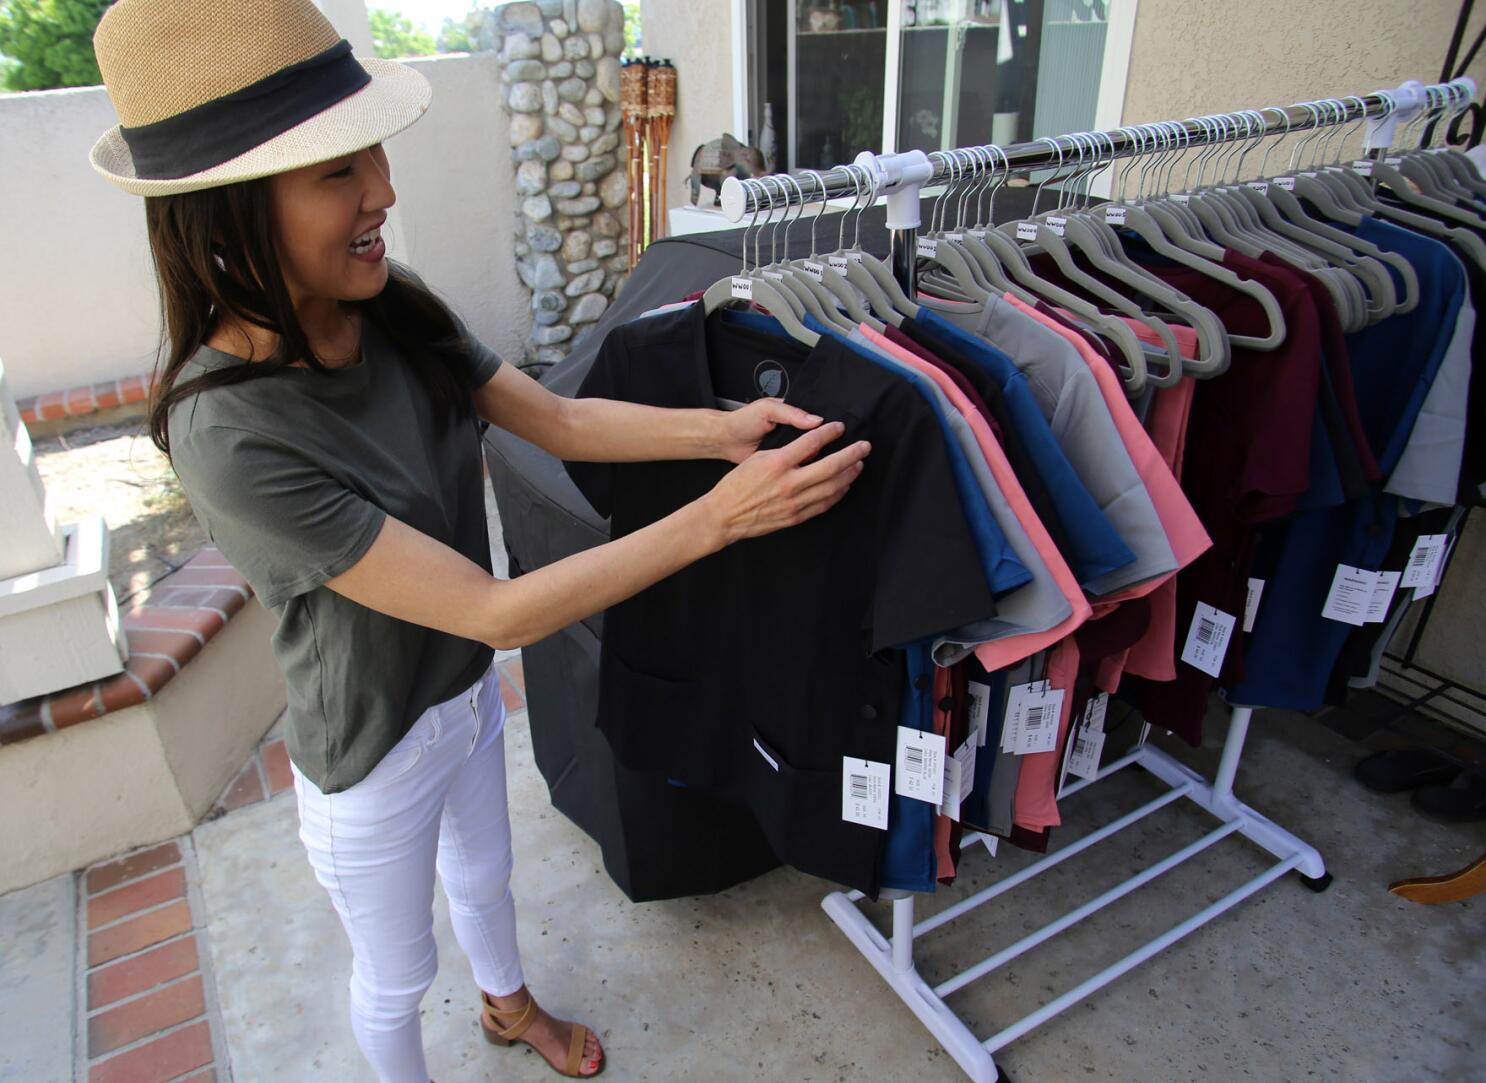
[[454, 37], [49, 43], [394, 35], [632, 43]]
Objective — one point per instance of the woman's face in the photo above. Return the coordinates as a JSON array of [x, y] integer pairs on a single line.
[[318, 211]]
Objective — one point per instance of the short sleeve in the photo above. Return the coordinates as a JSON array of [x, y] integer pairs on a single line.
[[481, 359], [606, 379], [930, 577], [282, 521]]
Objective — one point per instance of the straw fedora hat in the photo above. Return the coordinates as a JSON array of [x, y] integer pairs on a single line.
[[209, 92]]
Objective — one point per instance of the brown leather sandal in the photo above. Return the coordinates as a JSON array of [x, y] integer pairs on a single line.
[[526, 1015]]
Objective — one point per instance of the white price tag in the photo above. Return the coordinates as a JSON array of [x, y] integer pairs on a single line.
[[980, 233], [1424, 561], [954, 236], [1382, 596], [838, 264], [980, 710], [1056, 224], [1114, 214], [920, 767], [928, 247], [959, 779], [1208, 638], [1251, 603], [742, 288], [1032, 714], [1259, 186], [1095, 712], [1351, 594], [1287, 183], [991, 842], [1363, 166], [1083, 756], [778, 276], [864, 792], [815, 270], [1026, 231], [1182, 197], [1393, 161], [854, 257]]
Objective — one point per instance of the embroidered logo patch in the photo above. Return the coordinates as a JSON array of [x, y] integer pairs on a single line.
[[771, 379]]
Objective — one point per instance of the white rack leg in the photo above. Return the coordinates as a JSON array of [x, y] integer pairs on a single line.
[[894, 960]]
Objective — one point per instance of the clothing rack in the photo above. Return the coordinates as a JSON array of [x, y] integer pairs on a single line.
[[900, 177]]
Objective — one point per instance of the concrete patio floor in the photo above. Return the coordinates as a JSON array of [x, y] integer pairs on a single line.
[[757, 983]]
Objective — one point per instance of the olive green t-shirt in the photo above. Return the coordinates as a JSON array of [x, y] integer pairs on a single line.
[[292, 476]]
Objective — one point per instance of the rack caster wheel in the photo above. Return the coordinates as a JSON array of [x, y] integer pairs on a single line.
[[1317, 884]]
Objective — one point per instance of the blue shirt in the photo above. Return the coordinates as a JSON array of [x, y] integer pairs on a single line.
[[1096, 547]]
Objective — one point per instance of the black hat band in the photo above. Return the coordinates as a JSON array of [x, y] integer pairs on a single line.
[[219, 130]]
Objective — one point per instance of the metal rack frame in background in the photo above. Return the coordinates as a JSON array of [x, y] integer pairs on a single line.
[[901, 177]]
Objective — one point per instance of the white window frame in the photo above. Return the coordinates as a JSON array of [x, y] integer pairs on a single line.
[[1109, 109]]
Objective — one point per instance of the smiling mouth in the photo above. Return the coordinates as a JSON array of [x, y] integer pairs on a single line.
[[365, 242]]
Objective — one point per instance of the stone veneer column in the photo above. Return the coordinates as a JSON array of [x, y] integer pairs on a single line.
[[560, 72]]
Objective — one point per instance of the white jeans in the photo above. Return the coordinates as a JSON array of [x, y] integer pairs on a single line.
[[437, 800]]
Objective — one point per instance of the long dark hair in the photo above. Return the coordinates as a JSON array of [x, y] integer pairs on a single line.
[[238, 276]]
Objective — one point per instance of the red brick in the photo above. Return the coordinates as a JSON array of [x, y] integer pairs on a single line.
[[144, 971], [80, 401], [106, 945], [514, 671], [158, 620], [208, 1076], [168, 593], [133, 389], [182, 646], [149, 1014], [246, 789], [203, 622], [19, 721], [75, 705], [51, 406], [106, 394], [276, 767], [152, 670], [140, 895], [164, 1058], [511, 696], [120, 692], [103, 877], [194, 575], [29, 416]]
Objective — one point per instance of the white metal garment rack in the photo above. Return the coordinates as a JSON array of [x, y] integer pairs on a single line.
[[900, 177]]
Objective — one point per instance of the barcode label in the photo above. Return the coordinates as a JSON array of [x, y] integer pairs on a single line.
[[838, 264], [1424, 562], [1026, 231], [742, 288], [980, 710], [920, 766], [1056, 224], [1095, 712], [864, 792], [1083, 759], [815, 270], [1207, 639], [1032, 715], [928, 247], [1259, 186], [1114, 214], [1287, 183]]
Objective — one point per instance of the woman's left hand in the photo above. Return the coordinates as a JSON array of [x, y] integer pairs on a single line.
[[742, 429]]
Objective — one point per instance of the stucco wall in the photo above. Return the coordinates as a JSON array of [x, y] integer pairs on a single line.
[[1190, 58], [696, 35], [77, 295]]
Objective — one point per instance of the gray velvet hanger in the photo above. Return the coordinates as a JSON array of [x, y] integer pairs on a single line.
[[747, 287]]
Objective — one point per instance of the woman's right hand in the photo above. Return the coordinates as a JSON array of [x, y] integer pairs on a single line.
[[781, 487]]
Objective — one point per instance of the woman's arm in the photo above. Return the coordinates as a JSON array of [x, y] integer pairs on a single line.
[[411, 576], [606, 431]]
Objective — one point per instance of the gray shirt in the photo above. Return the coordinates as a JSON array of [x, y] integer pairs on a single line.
[[1070, 399], [292, 476]]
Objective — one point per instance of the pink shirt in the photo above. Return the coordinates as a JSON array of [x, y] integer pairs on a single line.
[[1012, 649]]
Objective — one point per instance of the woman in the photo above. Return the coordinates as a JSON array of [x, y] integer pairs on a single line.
[[321, 409]]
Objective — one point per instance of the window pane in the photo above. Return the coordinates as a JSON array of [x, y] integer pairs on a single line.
[[840, 56]]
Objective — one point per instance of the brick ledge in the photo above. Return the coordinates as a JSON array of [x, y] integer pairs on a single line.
[[88, 399], [165, 628]]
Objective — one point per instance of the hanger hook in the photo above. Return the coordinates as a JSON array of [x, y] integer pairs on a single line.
[[856, 198], [1052, 142], [821, 184]]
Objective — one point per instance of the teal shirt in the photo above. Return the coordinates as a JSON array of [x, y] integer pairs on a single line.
[[292, 476]]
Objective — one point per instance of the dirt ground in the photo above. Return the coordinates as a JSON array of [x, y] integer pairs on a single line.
[[115, 471]]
